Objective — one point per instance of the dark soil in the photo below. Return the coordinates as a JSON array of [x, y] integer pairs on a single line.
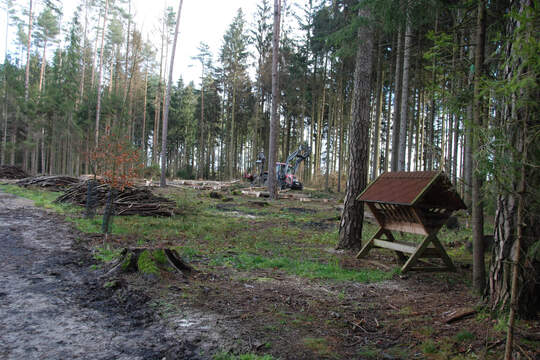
[[54, 306]]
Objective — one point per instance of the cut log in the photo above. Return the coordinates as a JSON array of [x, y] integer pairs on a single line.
[[131, 255], [459, 314]]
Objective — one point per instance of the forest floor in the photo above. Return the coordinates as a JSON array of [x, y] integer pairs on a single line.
[[269, 284]]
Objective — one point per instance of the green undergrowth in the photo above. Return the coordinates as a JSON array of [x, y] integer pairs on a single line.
[[106, 254], [229, 356]]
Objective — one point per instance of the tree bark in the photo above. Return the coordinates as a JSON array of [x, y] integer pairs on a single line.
[[514, 297], [479, 271], [163, 179], [350, 229], [274, 122]]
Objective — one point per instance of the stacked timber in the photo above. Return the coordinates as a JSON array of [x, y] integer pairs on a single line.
[[53, 183], [282, 194], [130, 201], [12, 172], [203, 184]]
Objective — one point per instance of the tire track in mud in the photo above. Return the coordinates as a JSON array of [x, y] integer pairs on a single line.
[[53, 306]]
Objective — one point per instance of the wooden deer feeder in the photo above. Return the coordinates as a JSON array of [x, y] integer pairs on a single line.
[[417, 202]]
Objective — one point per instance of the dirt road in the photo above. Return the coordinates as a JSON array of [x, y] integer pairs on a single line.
[[54, 306]]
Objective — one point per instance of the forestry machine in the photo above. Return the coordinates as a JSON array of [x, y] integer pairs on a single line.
[[286, 171]]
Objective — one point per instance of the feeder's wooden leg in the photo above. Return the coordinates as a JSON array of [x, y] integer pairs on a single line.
[[444, 256], [369, 244], [416, 255], [402, 258]]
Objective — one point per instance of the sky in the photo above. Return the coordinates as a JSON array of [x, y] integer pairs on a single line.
[[201, 20]]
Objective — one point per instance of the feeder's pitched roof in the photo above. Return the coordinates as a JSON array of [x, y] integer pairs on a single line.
[[431, 188]]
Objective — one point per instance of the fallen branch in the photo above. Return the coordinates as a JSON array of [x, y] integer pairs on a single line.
[[130, 201], [55, 183], [12, 172], [528, 335]]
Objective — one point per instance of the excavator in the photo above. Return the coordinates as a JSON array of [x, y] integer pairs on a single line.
[[285, 171]]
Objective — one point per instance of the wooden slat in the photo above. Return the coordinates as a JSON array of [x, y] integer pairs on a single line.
[[414, 257], [394, 246], [402, 258], [431, 253], [408, 227], [429, 268], [444, 256], [369, 244]]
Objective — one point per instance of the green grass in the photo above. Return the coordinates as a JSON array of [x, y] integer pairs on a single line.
[[368, 352], [429, 347], [319, 346], [41, 198], [290, 241], [146, 263], [303, 268], [464, 335]]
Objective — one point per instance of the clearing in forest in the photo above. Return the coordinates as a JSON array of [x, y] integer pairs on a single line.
[[269, 282]]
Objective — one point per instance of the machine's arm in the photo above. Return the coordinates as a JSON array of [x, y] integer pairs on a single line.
[[260, 162], [298, 156]]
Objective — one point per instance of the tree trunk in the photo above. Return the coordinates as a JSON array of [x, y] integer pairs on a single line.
[[83, 60], [100, 77], [404, 112], [468, 163], [397, 104], [341, 130], [330, 123], [379, 88], [318, 141], [143, 131], [479, 271], [157, 108], [274, 122], [350, 229], [28, 45], [127, 54], [517, 234], [163, 180], [517, 247], [5, 105], [200, 166]]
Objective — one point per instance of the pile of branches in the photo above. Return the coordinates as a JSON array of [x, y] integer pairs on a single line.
[[130, 201], [53, 182], [12, 172]]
